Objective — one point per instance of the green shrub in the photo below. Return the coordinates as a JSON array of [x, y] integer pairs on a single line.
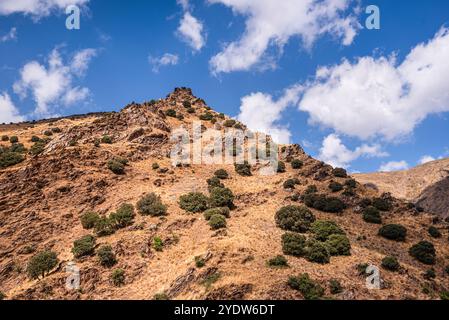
[[290, 183], [97, 143], [180, 116], [340, 173], [221, 197], [194, 202], [394, 232], [316, 251], [338, 245], [221, 174], [2, 296], [365, 202], [106, 139], [5, 138], [372, 215], [56, 130], [294, 218], [207, 116], [186, 104], [37, 148], [335, 186], [155, 166], [104, 227], [84, 246], [48, 133], [17, 148], [382, 204], [351, 183], [322, 230], [311, 189], [335, 286], [14, 139], [116, 166], [229, 123], [161, 297], [190, 110], [224, 211], [293, 244], [324, 203], [310, 289], [158, 244], [41, 264], [124, 216], [243, 169], [278, 262], [8, 159], [106, 256], [444, 295], [200, 262], [434, 232], [89, 219], [118, 277], [214, 182], [281, 167], [390, 263], [424, 252], [430, 274], [170, 113], [217, 221], [296, 164], [151, 205], [35, 139]]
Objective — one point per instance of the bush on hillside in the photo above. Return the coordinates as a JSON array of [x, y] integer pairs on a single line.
[[296, 164], [372, 215], [394, 232], [338, 245], [84, 246], [351, 183], [335, 186], [322, 230], [221, 174], [186, 104], [221, 197], [281, 167], [229, 123], [214, 182], [106, 256], [294, 218], [224, 211], [243, 169], [382, 204], [41, 264], [390, 263], [207, 116], [293, 244], [35, 139], [324, 203], [118, 277], [89, 219], [316, 251], [170, 113], [123, 217], [8, 159], [104, 227], [310, 289], [424, 252], [151, 205], [278, 262], [5, 138], [340, 173], [194, 202], [116, 166], [311, 189], [335, 286], [14, 139], [217, 221], [106, 139], [434, 232], [290, 184]]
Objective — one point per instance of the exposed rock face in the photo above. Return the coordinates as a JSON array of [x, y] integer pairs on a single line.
[[435, 198]]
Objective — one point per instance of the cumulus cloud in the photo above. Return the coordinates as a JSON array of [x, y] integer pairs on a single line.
[[191, 31], [53, 84], [377, 97], [273, 22], [36, 8], [335, 153], [260, 112], [394, 166], [167, 59], [8, 111], [11, 35], [426, 159]]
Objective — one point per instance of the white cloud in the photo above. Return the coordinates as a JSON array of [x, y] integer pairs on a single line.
[[36, 8], [8, 112], [394, 166], [273, 22], [191, 31], [335, 153], [376, 97], [427, 158], [184, 4], [261, 113], [53, 84], [11, 35], [166, 60]]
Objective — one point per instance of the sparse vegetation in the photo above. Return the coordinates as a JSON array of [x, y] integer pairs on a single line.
[[207, 116], [390, 263], [214, 182], [38, 147], [200, 262], [322, 230], [8, 158], [84, 246], [294, 218], [123, 217], [171, 113], [5, 138], [106, 256], [335, 286], [382, 204], [224, 211], [151, 205], [118, 277], [155, 166], [116, 166], [281, 167], [161, 297], [424, 252], [310, 289], [89, 219], [229, 123], [311, 189], [41, 264], [221, 174], [221, 197], [35, 139], [48, 133], [194, 202], [372, 215], [338, 245], [316, 251], [324, 203], [293, 244], [290, 183], [434, 232], [430, 274], [340, 173], [217, 221], [106, 139], [296, 164], [104, 227], [14, 139], [278, 262], [243, 169], [158, 244], [335, 186], [394, 232]]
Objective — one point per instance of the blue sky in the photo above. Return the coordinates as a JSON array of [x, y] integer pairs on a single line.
[[381, 100]]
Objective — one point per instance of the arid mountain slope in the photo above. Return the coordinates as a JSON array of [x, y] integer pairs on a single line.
[[178, 255]]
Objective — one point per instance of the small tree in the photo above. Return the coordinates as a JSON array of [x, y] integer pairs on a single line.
[[84, 246], [151, 205], [194, 202], [41, 264], [89, 219], [106, 256]]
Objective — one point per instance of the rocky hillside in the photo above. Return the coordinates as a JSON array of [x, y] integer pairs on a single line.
[[100, 191], [425, 185]]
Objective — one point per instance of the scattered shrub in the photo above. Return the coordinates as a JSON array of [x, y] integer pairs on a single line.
[[151, 205], [340, 173], [123, 217], [296, 164], [161, 297], [243, 169], [238, 126], [200, 262], [294, 218], [190, 110], [35, 139], [194, 202], [116, 166], [372, 215], [84, 246], [104, 227], [187, 104], [293, 244], [338, 245], [17, 148], [335, 286], [224, 211], [207, 116], [97, 143], [444, 295], [229, 123], [424, 252], [324, 229], [289, 184], [311, 189], [106, 256], [324, 203], [390, 263], [316, 251], [221, 197], [158, 244], [48, 133], [14, 139], [365, 202], [429, 274], [335, 186], [382, 204], [56, 130], [180, 117], [41, 264], [5, 138], [221, 174], [278, 262], [89, 219], [118, 277], [217, 221], [155, 166], [214, 182], [434, 232], [310, 289], [170, 113], [351, 183], [8, 159], [394, 232], [281, 167], [2, 296], [38, 148]]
